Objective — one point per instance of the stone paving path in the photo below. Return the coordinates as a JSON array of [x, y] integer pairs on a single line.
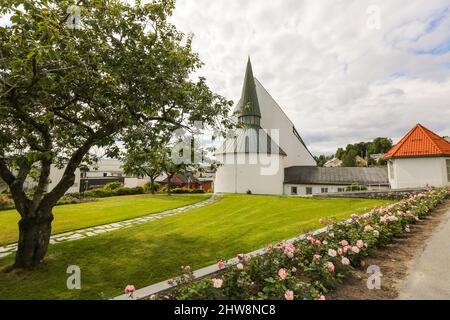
[[94, 231], [430, 275]]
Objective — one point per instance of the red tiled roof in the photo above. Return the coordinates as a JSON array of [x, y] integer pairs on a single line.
[[418, 142]]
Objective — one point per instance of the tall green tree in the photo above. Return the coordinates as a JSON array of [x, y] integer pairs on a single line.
[[67, 87]]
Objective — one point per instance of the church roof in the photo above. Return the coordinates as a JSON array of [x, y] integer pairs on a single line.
[[250, 140], [336, 175], [249, 104], [420, 142]]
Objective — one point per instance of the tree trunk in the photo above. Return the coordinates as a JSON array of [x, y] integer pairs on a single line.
[[152, 182], [34, 237]]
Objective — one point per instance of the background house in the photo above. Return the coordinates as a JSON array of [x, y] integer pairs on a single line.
[[420, 159], [335, 162]]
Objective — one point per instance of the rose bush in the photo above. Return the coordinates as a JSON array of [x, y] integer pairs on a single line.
[[310, 267]]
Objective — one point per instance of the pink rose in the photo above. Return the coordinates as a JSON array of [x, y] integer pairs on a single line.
[[217, 283], [360, 244], [170, 282], [344, 243], [330, 266], [129, 289], [289, 295], [339, 251], [332, 253], [355, 249], [282, 274], [240, 266], [220, 264], [294, 269], [317, 257], [322, 297], [345, 261], [318, 243]]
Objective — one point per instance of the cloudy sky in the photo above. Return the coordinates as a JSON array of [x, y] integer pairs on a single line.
[[343, 70]]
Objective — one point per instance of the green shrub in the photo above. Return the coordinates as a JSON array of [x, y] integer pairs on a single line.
[[113, 186], [356, 187], [181, 190], [148, 187], [6, 202], [98, 193], [197, 191]]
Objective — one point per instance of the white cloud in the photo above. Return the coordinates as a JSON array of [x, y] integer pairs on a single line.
[[339, 81]]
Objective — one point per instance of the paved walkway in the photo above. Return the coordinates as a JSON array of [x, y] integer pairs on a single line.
[[94, 231], [430, 275]]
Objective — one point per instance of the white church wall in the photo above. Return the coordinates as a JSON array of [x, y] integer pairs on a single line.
[[273, 117], [418, 172], [259, 173]]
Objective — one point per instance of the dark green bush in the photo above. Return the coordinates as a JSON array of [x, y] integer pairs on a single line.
[[197, 191], [113, 186], [181, 190], [148, 187], [356, 187]]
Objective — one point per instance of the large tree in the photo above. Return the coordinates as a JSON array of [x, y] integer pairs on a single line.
[[144, 153], [64, 90]]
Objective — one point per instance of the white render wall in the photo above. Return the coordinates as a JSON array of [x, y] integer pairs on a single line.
[[56, 175], [259, 173], [273, 117], [132, 182], [418, 172], [317, 188]]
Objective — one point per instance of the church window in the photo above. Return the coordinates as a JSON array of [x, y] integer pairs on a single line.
[[293, 190], [308, 190]]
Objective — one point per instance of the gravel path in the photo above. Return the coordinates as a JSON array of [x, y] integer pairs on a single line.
[[429, 277], [94, 231]]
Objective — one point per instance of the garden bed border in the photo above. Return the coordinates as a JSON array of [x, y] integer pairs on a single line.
[[162, 286]]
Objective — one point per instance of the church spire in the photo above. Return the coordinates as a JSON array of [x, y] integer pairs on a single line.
[[249, 112]]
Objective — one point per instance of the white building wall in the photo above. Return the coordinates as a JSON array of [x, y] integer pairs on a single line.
[[273, 117], [259, 173], [317, 188], [111, 167], [132, 182], [418, 172], [56, 176]]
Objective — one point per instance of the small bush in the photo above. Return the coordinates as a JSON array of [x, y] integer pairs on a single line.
[[97, 193], [197, 191], [356, 187], [6, 202], [248, 191], [113, 186], [148, 187], [181, 190]]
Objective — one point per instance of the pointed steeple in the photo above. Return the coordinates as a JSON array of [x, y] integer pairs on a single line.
[[249, 112]]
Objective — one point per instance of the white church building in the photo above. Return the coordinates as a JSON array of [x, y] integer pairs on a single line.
[[266, 154]]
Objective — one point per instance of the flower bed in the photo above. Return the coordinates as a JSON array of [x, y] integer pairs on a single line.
[[310, 267]]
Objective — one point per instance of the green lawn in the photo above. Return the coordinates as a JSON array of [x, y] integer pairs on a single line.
[[154, 251], [106, 210]]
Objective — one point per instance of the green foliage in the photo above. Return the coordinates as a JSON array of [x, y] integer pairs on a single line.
[[218, 225], [64, 91], [6, 202], [149, 187], [112, 186], [356, 187], [118, 191], [322, 159], [187, 190], [308, 268], [364, 150]]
